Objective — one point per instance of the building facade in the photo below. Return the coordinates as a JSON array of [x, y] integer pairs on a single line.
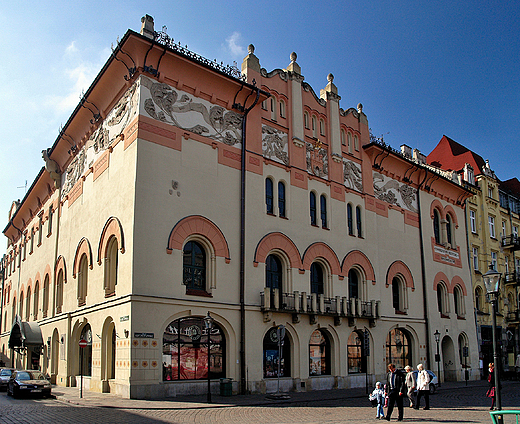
[[181, 188], [492, 216]]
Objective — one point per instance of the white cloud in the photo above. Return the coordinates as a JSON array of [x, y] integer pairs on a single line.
[[233, 45], [71, 48]]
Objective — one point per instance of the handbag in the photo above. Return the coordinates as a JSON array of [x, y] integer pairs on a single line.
[[491, 392]]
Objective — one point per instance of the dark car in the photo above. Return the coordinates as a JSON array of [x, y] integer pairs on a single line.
[[28, 382], [5, 375]]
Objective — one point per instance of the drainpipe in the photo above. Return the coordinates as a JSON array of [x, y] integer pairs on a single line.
[[423, 274], [243, 240]]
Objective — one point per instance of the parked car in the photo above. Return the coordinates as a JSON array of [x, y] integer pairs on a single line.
[[28, 382], [434, 381], [5, 375]]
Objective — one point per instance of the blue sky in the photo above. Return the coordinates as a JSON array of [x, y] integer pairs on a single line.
[[421, 69]]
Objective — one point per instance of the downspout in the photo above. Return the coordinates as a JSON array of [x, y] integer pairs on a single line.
[[243, 241], [423, 274]]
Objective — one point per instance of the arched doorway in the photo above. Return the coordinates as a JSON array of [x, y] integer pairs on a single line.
[[449, 362], [356, 353], [399, 348], [108, 354], [55, 356], [86, 362]]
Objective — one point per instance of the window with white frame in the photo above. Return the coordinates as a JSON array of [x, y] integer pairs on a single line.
[[491, 220], [282, 109], [314, 129], [490, 192], [356, 143], [473, 221], [273, 109], [322, 127], [506, 264], [503, 228], [343, 137], [306, 120], [494, 260], [458, 300], [475, 258], [349, 142]]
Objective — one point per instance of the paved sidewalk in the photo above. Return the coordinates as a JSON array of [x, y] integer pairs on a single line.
[[107, 400]]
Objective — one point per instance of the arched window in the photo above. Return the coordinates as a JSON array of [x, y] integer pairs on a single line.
[[357, 359], [306, 120], [350, 220], [82, 280], [353, 284], [349, 142], [322, 127], [59, 292], [111, 267], [273, 272], [323, 210], [282, 109], [281, 199], [319, 354], [356, 143], [20, 311], [458, 300], [269, 195], [28, 305], [398, 348], [441, 299], [479, 299], [194, 266], [312, 202], [449, 230], [36, 303], [272, 353], [185, 350], [396, 294], [273, 109], [314, 129], [437, 226], [358, 222], [317, 285], [45, 306], [463, 350], [343, 142]]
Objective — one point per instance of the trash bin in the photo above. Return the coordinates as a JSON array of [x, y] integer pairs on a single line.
[[226, 387]]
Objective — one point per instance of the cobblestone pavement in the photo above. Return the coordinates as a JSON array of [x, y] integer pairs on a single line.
[[453, 403]]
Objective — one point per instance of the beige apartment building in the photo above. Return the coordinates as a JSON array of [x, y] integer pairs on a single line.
[[180, 187], [493, 219]]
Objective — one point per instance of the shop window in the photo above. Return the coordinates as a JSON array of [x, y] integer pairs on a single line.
[[319, 354], [185, 350], [356, 357], [398, 348], [194, 266], [272, 355], [269, 195]]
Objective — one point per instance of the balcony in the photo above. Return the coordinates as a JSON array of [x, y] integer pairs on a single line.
[[513, 317], [511, 242], [314, 305], [512, 277]]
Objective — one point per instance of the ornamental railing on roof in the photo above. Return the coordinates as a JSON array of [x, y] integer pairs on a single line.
[[163, 38]]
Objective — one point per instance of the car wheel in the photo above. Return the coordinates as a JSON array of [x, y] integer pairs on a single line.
[[432, 388]]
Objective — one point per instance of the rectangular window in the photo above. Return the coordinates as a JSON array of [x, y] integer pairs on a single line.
[[490, 192], [40, 229], [515, 230], [517, 265], [507, 264], [491, 221], [475, 259], [49, 223], [24, 246], [494, 260], [503, 228], [473, 221], [32, 242]]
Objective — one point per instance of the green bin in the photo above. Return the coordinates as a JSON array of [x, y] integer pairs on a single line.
[[226, 387]]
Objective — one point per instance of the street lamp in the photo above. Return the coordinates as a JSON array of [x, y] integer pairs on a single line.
[[492, 283], [437, 336], [208, 322]]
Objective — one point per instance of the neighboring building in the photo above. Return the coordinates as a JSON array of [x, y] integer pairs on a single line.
[[158, 204], [493, 219]]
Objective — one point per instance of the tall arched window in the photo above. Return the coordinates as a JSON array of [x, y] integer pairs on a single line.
[[353, 284], [441, 299], [45, 306], [458, 300], [350, 220], [357, 359], [358, 222], [271, 355], [273, 272], [82, 280], [28, 305], [312, 202], [437, 226], [314, 127], [194, 266], [111, 267], [281, 199], [449, 230], [343, 142], [479, 299], [269, 195], [282, 109], [396, 294], [398, 348], [356, 143], [86, 334], [20, 311], [185, 350], [349, 142], [323, 210], [306, 120], [463, 350], [59, 292], [319, 354], [36, 303], [317, 285]]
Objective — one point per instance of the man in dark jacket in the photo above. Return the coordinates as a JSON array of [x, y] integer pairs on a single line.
[[396, 389]]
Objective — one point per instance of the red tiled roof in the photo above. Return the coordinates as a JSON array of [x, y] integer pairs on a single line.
[[452, 156], [512, 185]]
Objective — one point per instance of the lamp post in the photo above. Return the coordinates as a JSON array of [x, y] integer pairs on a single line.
[[437, 336], [208, 322], [492, 283]]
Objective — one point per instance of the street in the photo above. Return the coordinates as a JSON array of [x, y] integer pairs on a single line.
[[453, 403]]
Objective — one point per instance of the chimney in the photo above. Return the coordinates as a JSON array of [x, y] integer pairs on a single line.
[[147, 26], [406, 151]]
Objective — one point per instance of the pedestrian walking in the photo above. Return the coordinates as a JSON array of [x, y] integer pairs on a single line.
[[491, 393], [410, 384], [379, 395], [423, 387], [396, 388]]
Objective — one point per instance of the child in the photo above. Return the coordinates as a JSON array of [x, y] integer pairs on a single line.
[[379, 394]]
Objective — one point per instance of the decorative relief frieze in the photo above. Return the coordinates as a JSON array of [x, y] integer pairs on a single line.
[[275, 145], [352, 175], [115, 123], [185, 111], [391, 191], [317, 160]]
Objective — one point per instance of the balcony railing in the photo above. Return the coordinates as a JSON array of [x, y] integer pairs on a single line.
[[513, 317], [316, 304], [512, 277], [511, 242]]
